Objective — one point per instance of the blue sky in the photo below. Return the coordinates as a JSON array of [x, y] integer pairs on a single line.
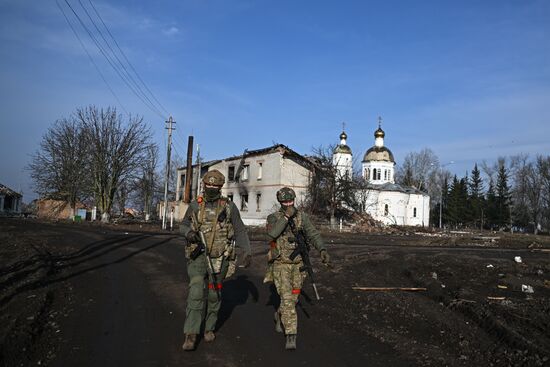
[[468, 79]]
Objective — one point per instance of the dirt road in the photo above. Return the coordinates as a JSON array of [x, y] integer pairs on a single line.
[[88, 296]]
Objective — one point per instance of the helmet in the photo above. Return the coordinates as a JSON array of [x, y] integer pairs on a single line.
[[286, 194], [214, 177]]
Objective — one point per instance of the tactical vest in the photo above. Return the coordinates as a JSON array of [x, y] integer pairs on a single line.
[[286, 242], [218, 235]]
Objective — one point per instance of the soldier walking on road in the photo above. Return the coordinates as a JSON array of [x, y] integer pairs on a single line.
[[211, 226], [287, 274]]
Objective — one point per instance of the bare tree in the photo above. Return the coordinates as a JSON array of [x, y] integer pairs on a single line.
[[144, 187], [328, 191], [423, 171], [60, 168], [117, 151], [543, 168], [520, 169], [363, 191], [121, 197]]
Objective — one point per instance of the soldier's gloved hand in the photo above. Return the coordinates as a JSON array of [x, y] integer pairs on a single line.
[[290, 211], [247, 260], [325, 258], [193, 236]]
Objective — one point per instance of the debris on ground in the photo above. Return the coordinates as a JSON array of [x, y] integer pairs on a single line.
[[385, 289]]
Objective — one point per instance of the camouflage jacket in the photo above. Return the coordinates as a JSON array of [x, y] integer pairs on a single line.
[[217, 235], [282, 240]]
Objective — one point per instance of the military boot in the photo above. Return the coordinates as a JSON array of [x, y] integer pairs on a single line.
[[278, 326], [290, 342], [209, 336], [190, 341]]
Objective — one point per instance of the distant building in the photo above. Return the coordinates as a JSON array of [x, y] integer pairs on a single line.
[[382, 198], [252, 180], [58, 209], [342, 157], [10, 201]]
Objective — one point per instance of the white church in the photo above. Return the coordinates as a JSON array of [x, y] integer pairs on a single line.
[[252, 180], [382, 198]]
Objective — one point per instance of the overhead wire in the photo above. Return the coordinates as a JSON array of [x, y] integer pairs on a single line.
[[113, 53], [102, 51], [91, 58], [125, 58]]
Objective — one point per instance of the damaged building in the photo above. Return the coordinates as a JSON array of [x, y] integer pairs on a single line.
[[10, 201], [252, 180]]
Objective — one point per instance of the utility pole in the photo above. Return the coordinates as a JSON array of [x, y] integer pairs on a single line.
[[167, 174], [188, 171], [198, 170]]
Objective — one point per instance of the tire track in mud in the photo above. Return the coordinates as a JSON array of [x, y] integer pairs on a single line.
[[480, 314]]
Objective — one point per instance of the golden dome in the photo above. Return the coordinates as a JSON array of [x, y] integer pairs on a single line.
[[378, 154], [379, 133], [343, 135], [341, 148]]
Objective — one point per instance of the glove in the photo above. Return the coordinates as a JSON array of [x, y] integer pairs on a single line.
[[193, 236], [290, 211], [325, 258], [247, 260]]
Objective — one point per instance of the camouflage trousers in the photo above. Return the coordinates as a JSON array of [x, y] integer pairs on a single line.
[[288, 280], [202, 297]]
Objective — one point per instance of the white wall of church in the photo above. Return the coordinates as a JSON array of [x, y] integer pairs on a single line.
[[397, 208], [386, 170], [343, 163]]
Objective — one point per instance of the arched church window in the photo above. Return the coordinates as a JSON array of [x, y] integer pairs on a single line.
[[414, 212], [378, 173], [374, 173], [386, 209]]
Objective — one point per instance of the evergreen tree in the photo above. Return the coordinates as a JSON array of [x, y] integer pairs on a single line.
[[467, 215], [502, 197], [490, 206], [458, 212], [454, 206], [444, 201], [475, 189]]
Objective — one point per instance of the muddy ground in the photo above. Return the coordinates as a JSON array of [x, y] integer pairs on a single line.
[[87, 295]]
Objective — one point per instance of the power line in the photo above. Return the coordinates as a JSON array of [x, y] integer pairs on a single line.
[[128, 61], [109, 60], [91, 58], [127, 74]]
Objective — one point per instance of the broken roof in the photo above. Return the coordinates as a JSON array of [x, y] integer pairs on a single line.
[[4, 190], [281, 148]]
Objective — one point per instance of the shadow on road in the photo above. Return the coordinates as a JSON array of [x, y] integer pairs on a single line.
[[235, 292], [58, 264]]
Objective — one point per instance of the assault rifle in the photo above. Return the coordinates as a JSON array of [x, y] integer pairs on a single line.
[[302, 249], [202, 247]]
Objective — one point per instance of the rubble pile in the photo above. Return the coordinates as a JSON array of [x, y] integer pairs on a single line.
[[364, 223]]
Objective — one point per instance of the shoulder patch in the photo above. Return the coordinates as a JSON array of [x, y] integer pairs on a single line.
[[200, 199]]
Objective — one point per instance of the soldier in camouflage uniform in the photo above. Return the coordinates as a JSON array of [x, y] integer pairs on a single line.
[[285, 273], [220, 223]]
